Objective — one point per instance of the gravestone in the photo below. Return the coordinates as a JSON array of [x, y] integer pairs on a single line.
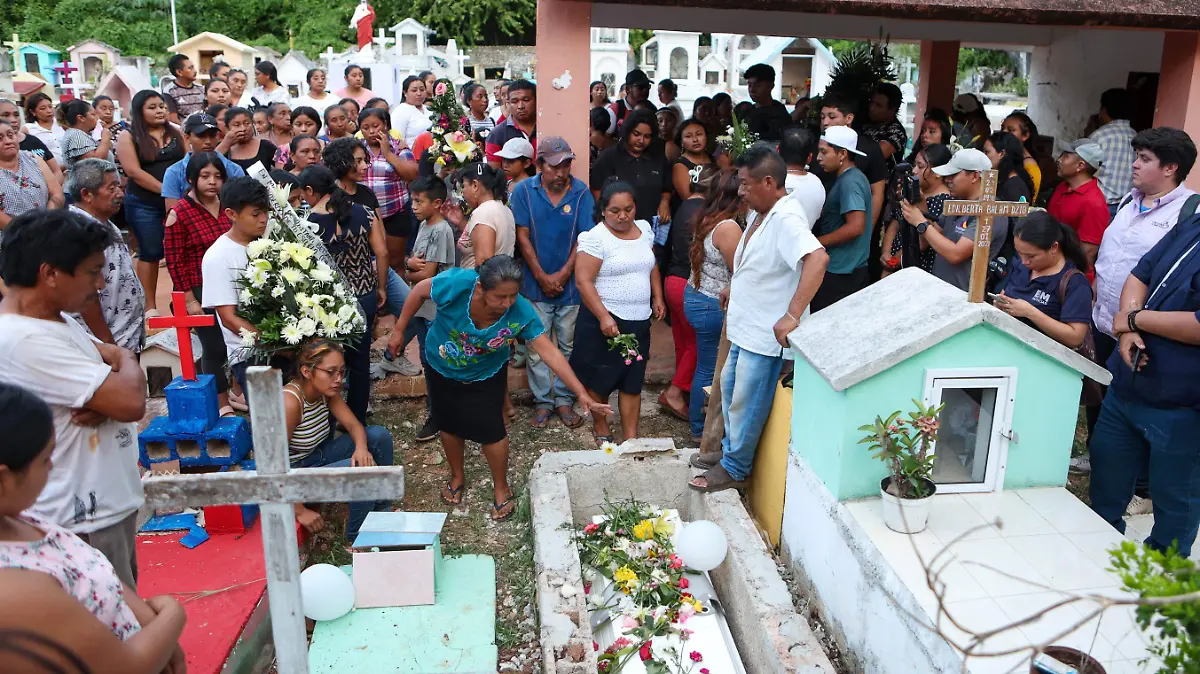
[[985, 209]]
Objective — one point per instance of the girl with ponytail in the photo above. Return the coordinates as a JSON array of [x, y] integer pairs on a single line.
[[355, 239], [1046, 286], [491, 229]]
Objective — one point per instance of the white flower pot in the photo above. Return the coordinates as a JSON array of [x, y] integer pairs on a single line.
[[905, 515]]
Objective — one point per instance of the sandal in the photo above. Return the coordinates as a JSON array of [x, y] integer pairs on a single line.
[[238, 402], [455, 495], [541, 418], [666, 405], [226, 411], [601, 439], [705, 460], [569, 418], [716, 479], [497, 507]]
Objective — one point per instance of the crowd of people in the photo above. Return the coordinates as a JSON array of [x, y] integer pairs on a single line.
[[532, 267]]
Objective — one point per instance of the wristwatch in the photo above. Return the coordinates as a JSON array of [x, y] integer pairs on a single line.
[[922, 227]]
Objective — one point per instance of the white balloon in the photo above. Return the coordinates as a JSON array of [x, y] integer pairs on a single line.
[[326, 592], [702, 545]]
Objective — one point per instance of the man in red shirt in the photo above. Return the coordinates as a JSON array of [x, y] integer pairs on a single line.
[[1078, 201]]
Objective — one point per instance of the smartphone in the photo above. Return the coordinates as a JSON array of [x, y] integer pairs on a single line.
[[1135, 357], [997, 298]]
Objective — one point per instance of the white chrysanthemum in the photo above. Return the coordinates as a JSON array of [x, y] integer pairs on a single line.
[[346, 313], [278, 291], [322, 273], [292, 275], [341, 292], [257, 248], [249, 337], [245, 296], [303, 300], [291, 334], [307, 326]]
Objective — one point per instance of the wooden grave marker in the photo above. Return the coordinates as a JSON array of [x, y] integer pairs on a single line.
[[984, 211], [275, 487]]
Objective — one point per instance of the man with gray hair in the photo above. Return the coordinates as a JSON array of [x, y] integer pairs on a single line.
[[96, 191]]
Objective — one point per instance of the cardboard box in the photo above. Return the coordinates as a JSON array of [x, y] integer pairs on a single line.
[[397, 559]]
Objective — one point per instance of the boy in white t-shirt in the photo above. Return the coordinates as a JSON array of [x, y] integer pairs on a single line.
[[247, 203], [53, 263]]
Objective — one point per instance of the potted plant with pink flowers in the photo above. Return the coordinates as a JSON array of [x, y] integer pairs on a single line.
[[905, 445]]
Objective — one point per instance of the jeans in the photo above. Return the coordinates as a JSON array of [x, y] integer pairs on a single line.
[[681, 332], [419, 327], [397, 293], [145, 219], [705, 316], [748, 384], [1131, 436], [358, 362], [336, 451], [549, 391]]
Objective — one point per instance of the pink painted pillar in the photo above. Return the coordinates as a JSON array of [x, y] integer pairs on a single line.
[[1178, 102], [939, 72], [564, 44]]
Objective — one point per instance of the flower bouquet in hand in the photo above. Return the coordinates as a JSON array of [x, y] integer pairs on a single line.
[[453, 146], [627, 344], [737, 139]]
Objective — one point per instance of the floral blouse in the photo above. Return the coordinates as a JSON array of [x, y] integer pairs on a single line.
[[81, 570], [458, 349]]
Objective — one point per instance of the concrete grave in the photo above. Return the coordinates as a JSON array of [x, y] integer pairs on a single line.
[[569, 488]]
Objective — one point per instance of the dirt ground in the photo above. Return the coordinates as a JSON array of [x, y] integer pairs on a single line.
[[469, 529]]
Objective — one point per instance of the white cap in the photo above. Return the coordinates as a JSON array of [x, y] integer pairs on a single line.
[[515, 148], [843, 137], [968, 159]]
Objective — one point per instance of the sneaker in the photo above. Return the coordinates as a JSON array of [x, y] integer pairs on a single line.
[[401, 366], [1139, 506], [428, 431], [1081, 465]]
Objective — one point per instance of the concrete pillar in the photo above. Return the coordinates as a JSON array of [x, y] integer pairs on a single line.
[[564, 45], [939, 75]]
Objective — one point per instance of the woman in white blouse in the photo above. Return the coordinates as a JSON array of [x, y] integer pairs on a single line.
[[39, 113], [411, 118], [619, 283]]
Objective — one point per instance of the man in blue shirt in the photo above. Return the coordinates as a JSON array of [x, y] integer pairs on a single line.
[[550, 211], [1151, 414], [202, 136], [843, 228]]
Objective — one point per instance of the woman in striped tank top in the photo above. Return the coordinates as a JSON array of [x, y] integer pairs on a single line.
[[312, 401]]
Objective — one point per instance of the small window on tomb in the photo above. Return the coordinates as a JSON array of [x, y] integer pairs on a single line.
[[408, 45], [679, 64], [610, 81], [712, 77], [493, 74], [974, 428]]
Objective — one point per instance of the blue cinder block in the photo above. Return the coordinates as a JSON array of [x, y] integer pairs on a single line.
[[226, 444], [228, 441], [192, 405]]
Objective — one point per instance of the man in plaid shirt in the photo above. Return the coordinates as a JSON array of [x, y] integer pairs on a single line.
[[1115, 136]]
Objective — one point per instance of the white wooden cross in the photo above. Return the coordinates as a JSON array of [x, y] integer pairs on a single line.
[[275, 487], [72, 84], [984, 210], [383, 41], [15, 45], [327, 56]]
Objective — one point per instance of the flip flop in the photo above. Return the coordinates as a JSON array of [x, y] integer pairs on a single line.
[[455, 494], [570, 419], [716, 479], [497, 507], [601, 439], [705, 460], [663, 403], [238, 402], [541, 418], [227, 411]]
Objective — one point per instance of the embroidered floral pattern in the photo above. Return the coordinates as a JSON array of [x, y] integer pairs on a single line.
[[463, 349]]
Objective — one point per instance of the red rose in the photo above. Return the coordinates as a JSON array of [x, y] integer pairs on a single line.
[[595, 646], [683, 583], [644, 651], [695, 656]]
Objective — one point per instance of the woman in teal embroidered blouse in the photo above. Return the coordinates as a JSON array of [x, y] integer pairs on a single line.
[[468, 364]]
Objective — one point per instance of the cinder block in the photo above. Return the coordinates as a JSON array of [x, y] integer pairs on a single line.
[[192, 405], [226, 444], [228, 441]]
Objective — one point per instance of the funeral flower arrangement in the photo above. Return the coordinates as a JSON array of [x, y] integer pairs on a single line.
[[635, 579], [289, 292], [627, 344], [737, 139], [453, 146]]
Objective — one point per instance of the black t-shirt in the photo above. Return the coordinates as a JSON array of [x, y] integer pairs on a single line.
[[37, 147], [365, 197], [679, 264], [266, 155], [768, 121], [1013, 188], [648, 173]]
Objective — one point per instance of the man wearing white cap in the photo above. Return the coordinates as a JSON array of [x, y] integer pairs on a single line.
[[842, 228], [1078, 200], [953, 237]]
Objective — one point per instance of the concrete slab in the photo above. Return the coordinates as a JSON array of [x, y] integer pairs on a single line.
[[456, 634]]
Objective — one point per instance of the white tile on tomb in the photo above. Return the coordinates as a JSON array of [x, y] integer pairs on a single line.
[[1087, 639], [1117, 623], [999, 568], [1063, 564], [1062, 510], [1123, 667], [951, 517], [1017, 663], [1134, 645], [1017, 517], [1097, 544], [1060, 620], [869, 515], [978, 616]]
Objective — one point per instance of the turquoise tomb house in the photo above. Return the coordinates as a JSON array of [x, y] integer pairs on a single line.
[[1011, 393]]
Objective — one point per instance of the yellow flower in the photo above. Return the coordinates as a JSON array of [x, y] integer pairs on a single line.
[[698, 606], [463, 150], [663, 526], [624, 575], [643, 530]]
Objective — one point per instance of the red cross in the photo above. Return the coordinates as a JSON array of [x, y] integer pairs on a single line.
[[181, 321], [66, 68]]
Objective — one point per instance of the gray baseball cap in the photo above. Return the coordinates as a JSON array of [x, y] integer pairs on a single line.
[[1088, 150]]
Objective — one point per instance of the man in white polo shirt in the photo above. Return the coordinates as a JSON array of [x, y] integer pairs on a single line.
[[777, 268]]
